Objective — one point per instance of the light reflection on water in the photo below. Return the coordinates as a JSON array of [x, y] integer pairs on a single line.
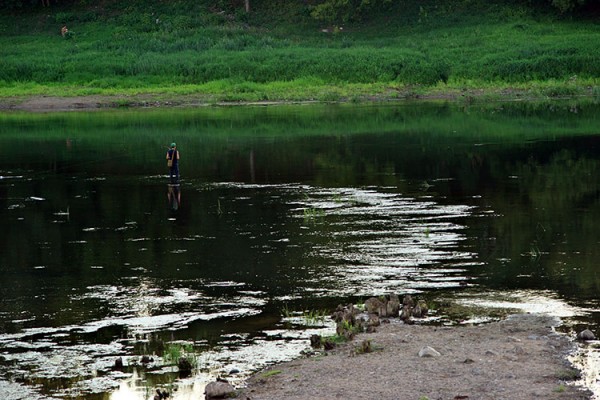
[[528, 301], [99, 259], [354, 243], [585, 357], [359, 242], [236, 353]]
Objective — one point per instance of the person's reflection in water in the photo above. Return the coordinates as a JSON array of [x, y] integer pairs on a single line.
[[174, 196]]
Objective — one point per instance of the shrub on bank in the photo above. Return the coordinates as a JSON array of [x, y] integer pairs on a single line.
[[160, 47]]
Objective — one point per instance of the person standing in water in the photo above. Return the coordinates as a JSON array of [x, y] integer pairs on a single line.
[[173, 164]]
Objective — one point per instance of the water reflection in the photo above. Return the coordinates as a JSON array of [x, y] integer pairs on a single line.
[[527, 301], [352, 242], [174, 196], [489, 209]]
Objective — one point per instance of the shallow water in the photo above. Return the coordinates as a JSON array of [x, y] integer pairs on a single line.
[[281, 211]]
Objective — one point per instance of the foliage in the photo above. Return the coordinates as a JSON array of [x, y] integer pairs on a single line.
[[343, 11], [334, 339], [157, 48], [174, 352], [560, 389], [329, 10], [596, 94], [286, 311], [272, 372], [310, 317], [366, 346], [312, 213], [569, 374], [313, 317], [567, 5]]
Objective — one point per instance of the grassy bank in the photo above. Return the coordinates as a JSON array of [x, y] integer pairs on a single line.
[[179, 49]]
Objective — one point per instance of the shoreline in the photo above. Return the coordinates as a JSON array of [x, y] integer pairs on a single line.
[[519, 358], [49, 103]]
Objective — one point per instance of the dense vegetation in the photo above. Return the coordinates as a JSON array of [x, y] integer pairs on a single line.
[[283, 49]]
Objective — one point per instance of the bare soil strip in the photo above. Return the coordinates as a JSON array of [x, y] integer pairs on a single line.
[[520, 358]]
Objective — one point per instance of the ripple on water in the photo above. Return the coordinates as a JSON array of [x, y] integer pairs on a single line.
[[529, 301], [385, 242], [368, 242], [16, 391]]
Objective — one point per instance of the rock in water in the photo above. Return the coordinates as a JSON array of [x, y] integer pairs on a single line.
[[118, 363], [161, 395], [586, 335], [146, 359], [185, 367], [328, 344], [219, 390], [315, 341]]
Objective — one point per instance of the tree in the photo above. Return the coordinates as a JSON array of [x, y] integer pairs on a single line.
[[17, 4], [343, 11], [567, 5]]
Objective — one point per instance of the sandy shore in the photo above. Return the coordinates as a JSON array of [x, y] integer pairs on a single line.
[[519, 358]]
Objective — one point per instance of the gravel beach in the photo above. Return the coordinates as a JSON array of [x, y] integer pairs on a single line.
[[519, 358]]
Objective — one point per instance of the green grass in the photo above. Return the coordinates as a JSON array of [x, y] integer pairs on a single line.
[[314, 317], [366, 346], [174, 351], [337, 339], [270, 373], [596, 94], [310, 214], [169, 50], [346, 326], [309, 317], [568, 374], [286, 312]]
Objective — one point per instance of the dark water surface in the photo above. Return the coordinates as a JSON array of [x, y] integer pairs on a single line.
[[282, 212]]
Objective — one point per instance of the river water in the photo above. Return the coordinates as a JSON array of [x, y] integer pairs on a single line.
[[282, 213]]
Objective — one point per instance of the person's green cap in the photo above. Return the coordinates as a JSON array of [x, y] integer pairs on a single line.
[[173, 145]]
